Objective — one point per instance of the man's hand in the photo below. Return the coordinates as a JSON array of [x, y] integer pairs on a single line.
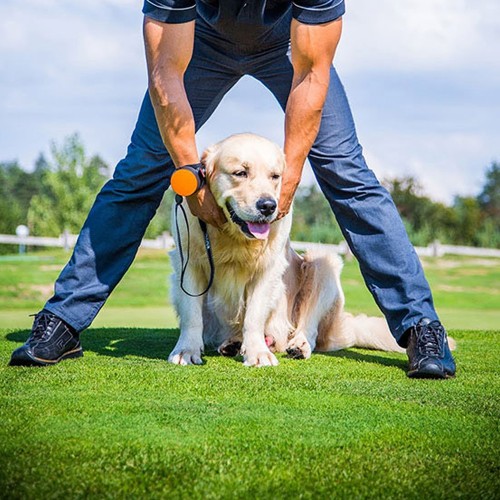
[[202, 204], [289, 185]]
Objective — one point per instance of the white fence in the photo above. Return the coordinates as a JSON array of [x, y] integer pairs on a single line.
[[67, 241], [166, 242]]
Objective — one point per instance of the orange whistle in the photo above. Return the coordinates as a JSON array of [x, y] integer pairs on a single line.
[[187, 180]]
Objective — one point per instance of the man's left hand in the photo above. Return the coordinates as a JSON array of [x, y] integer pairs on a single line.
[[202, 204], [289, 185]]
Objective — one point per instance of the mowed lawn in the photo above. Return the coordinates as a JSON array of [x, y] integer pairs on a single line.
[[466, 291], [123, 423]]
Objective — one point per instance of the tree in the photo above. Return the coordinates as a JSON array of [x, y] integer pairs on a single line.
[[425, 219], [17, 187], [469, 220], [69, 183], [313, 219], [489, 198], [161, 222]]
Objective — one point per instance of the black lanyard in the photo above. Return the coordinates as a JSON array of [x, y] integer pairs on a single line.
[[208, 248]]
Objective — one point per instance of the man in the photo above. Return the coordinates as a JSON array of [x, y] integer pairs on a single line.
[[196, 50]]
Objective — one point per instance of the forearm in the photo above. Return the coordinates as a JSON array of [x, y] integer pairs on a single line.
[[167, 64], [313, 49], [175, 120], [169, 48], [302, 119]]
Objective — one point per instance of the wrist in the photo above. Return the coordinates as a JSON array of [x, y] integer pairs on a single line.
[[187, 180], [196, 166], [291, 176]]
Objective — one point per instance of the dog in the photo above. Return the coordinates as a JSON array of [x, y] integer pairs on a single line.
[[265, 298]]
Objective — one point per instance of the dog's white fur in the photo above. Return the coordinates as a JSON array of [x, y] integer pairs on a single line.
[[264, 295]]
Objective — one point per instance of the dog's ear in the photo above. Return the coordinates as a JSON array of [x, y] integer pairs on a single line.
[[208, 158]]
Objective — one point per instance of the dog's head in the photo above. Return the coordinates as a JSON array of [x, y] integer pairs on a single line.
[[244, 173]]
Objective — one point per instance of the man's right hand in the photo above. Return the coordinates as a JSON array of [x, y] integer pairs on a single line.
[[202, 204]]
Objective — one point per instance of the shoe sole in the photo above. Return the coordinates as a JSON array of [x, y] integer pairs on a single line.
[[435, 376], [35, 361], [430, 374]]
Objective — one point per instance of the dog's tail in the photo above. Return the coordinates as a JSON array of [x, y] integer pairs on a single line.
[[369, 332], [366, 332]]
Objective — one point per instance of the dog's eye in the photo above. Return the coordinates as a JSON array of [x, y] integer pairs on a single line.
[[240, 173], [275, 177]]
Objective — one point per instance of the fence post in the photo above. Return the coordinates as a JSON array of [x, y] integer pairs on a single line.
[[436, 249], [65, 240], [23, 232], [164, 240]]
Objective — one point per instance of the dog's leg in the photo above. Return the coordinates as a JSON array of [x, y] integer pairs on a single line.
[[262, 299], [278, 327], [320, 295], [189, 347]]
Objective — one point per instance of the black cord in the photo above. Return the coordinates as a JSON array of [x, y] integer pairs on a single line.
[[208, 248]]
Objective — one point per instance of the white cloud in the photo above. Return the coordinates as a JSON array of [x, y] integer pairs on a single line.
[[60, 37], [422, 76], [69, 66], [419, 35], [446, 164]]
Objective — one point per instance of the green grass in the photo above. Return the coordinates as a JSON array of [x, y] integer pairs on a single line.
[[122, 423], [25, 282], [466, 291]]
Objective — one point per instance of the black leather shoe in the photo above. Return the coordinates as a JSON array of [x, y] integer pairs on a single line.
[[428, 351], [51, 341]]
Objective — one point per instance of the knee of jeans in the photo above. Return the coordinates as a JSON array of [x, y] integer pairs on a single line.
[[346, 160], [135, 190], [141, 174], [346, 177], [335, 146]]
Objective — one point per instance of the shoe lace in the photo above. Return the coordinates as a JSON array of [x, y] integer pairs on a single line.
[[430, 339], [42, 325]]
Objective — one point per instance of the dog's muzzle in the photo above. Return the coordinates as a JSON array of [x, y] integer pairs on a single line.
[[254, 229]]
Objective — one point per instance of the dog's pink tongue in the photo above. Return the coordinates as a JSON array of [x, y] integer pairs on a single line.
[[260, 231]]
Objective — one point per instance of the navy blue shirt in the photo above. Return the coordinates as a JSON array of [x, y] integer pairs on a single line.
[[244, 12]]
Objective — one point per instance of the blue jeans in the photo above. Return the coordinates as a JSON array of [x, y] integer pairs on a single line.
[[112, 233]]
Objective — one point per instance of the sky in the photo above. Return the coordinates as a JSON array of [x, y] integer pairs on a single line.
[[422, 76]]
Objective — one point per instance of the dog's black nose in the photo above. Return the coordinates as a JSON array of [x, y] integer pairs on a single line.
[[266, 206]]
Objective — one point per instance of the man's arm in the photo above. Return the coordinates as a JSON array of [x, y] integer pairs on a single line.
[[313, 49], [169, 48]]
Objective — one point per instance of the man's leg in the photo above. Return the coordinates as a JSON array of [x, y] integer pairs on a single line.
[[369, 219], [114, 228], [366, 214]]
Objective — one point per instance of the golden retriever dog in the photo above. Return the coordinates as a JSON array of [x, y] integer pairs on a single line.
[[265, 298]]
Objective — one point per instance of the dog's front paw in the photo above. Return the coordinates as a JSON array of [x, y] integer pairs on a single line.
[[259, 358], [299, 347], [186, 356]]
